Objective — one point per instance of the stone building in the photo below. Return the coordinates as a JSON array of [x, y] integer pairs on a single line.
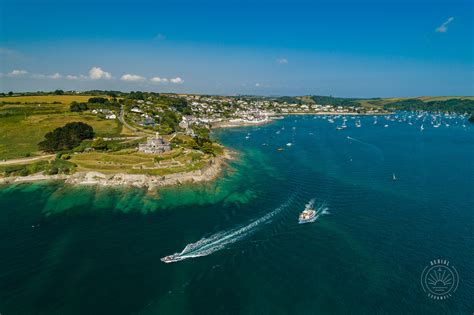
[[154, 145]]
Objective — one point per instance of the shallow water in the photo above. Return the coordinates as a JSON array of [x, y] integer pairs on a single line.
[[86, 250]]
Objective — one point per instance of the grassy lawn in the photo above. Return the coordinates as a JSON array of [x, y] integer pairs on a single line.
[[19, 136], [378, 102], [23, 125], [137, 163], [64, 99]]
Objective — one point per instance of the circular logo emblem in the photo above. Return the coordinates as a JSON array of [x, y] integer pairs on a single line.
[[439, 279]]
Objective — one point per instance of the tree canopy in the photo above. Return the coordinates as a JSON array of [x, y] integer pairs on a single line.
[[66, 137], [77, 107], [100, 100]]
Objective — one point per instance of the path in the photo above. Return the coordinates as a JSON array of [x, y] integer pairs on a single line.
[[122, 120], [26, 160]]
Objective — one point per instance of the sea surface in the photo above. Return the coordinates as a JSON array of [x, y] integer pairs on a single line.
[[389, 200]]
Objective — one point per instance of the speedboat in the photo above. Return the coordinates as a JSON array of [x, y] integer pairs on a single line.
[[169, 259], [307, 216]]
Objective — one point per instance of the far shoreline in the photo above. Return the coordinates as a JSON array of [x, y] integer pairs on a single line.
[[271, 119]]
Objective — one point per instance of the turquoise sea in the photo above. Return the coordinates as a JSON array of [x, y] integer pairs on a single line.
[[88, 250]]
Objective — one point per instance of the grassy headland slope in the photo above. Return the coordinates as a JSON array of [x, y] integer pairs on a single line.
[[24, 120]]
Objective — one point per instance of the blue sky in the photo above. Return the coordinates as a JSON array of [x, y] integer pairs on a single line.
[[341, 48]]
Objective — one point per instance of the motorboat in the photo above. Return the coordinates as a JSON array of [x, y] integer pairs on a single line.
[[169, 259], [307, 216]]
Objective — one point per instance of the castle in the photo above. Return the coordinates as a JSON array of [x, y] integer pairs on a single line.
[[154, 145]]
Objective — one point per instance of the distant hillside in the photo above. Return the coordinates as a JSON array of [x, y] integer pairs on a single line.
[[462, 104], [322, 100], [459, 104]]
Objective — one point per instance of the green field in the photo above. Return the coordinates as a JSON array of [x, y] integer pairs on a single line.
[[64, 99], [131, 162], [22, 126]]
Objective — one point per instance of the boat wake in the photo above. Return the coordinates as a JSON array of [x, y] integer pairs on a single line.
[[321, 209], [377, 149], [220, 240]]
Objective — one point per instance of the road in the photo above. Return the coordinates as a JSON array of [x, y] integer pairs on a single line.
[[122, 120], [27, 160]]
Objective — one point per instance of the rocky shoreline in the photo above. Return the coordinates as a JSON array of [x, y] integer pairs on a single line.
[[208, 173]]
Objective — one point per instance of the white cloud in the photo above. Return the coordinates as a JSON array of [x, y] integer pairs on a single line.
[[282, 61], [257, 84], [55, 76], [177, 80], [72, 77], [443, 28], [96, 73], [17, 73], [132, 78], [159, 80]]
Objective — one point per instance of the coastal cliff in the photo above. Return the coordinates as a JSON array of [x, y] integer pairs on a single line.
[[208, 173]]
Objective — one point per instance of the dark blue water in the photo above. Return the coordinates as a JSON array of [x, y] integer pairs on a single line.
[[89, 250]]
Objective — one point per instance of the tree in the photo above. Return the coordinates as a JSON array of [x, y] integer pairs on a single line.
[[10, 93], [99, 144], [59, 92], [100, 100], [66, 137], [137, 95], [77, 107], [207, 148]]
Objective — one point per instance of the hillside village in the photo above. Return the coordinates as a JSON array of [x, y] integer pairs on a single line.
[[217, 111]]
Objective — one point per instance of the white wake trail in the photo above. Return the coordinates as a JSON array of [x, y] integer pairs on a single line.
[[220, 240], [379, 151], [321, 209]]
